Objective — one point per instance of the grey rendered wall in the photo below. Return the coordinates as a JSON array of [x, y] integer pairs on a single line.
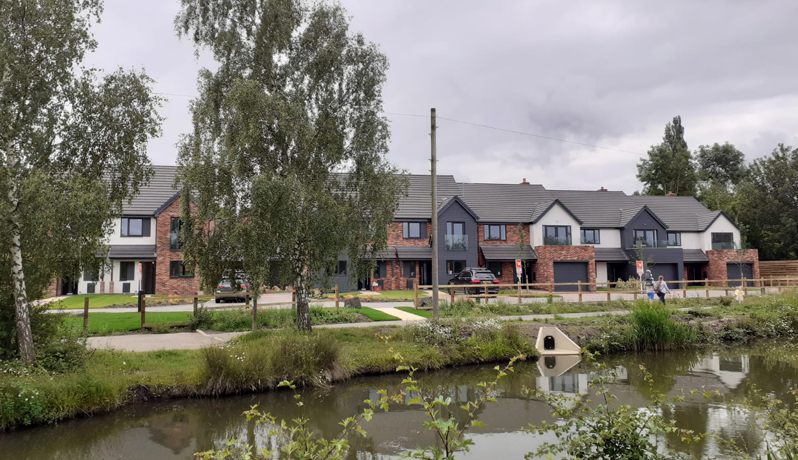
[[345, 283], [456, 213], [644, 221]]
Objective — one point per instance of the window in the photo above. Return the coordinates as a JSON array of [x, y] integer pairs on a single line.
[[454, 267], [89, 275], [557, 236], [722, 241], [590, 236], [127, 271], [495, 232], [648, 238], [456, 239], [132, 227], [340, 269], [382, 269], [495, 268], [177, 269], [409, 269], [174, 234], [674, 239], [412, 230]]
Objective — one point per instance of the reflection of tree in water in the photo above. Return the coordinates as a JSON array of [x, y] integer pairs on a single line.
[[664, 367]]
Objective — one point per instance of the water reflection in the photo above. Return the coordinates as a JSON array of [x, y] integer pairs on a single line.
[[176, 429]]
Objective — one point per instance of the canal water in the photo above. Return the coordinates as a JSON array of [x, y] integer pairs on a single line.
[[172, 430]]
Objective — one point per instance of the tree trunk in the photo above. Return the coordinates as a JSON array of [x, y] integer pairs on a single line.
[[27, 352], [302, 303]]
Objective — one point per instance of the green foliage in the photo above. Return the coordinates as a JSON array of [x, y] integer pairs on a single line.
[[723, 165], [604, 430], [669, 166], [654, 329], [288, 155], [768, 197]]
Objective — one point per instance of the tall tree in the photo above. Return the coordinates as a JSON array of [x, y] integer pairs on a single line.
[[769, 203], [287, 159], [669, 166], [721, 173], [62, 131]]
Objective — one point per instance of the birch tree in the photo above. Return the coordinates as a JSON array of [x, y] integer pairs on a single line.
[[286, 163], [72, 149]]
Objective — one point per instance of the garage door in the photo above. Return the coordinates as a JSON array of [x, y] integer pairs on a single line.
[[669, 271], [570, 272], [737, 272]]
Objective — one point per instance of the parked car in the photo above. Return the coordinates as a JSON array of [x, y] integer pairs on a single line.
[[472, 281], [226, 287]]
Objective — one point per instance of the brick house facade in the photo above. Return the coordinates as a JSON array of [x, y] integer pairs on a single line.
[[165, 283], [547, 255], [719, 260]]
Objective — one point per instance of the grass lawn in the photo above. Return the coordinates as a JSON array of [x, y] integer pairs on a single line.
[[118, 300], [239, 320], [422, 313], [382, 295]]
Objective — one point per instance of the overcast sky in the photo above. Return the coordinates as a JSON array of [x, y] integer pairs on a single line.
[[609, 73]]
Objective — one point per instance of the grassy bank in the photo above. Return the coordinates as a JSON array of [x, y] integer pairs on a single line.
[[382, 296], [107, 380], [233, 320]]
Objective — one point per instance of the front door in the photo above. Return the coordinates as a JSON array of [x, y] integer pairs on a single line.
[[425, 273], [148, 277], [69, 287]]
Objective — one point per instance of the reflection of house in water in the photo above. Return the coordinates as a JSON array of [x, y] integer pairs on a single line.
[[730, 370]]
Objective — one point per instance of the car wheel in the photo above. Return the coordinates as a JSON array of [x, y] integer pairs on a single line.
[[218, 300]]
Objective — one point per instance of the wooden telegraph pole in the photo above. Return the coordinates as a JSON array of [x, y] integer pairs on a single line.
[[433, 162]]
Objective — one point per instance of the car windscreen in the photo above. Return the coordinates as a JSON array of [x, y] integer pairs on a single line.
[[484, 276]]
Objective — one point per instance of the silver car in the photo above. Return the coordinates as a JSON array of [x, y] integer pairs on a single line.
[[226, 287]]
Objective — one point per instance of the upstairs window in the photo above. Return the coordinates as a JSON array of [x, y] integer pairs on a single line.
[[413, 230], [674, 239], [722, 241], [495, 232], [557, 235], [647, 238], [135, 227], [340, 270], [174, 234], [590, 236]]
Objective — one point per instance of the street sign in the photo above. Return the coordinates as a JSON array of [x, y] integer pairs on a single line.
[[639, 267], [518, 269]]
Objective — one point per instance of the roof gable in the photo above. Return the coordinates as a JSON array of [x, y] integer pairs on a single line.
[[650, 212], [550, 206], [456, 199]]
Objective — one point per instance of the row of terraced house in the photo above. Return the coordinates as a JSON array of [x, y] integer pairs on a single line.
[[561, 236]]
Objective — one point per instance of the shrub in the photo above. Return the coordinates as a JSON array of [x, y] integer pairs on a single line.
[[68, 354], [203, 319]]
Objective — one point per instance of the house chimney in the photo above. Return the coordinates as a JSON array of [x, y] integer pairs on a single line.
[[524, 181], [670, 193], [602, 189]]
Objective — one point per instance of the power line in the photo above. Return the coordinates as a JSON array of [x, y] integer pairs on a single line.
[[523, 133]]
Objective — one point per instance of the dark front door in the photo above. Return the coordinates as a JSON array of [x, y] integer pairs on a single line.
[[69, 287], [425, 273], [148, 277], [694, 271], [570, 272]]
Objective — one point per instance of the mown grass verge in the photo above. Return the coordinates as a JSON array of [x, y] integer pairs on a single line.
[[107, 380], [234, 320], [118, 300]]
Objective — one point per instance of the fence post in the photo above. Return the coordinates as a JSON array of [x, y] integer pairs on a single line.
[[86, 314], [609, 289], [519, 291], [337, 296], [551, 289], [706, 286], [762, 289], [726, 285], [196, 301], [635, 292], [745, 285], [486, 294], [579, 289], [684, 288], [451, 294], [143, 312], [246, 300], [254, 313], [415, 295], [293, 298]]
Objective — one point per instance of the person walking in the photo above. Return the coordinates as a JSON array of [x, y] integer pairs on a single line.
[[648, 280], [661, 288]]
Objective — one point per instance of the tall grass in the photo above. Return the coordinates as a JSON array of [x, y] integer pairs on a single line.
[[654, 329], [306, 359]]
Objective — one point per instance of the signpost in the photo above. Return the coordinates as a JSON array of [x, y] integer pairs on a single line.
[[518, 270], [640, 267]]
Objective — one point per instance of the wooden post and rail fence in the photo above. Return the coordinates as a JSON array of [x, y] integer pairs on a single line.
[[548, 290]]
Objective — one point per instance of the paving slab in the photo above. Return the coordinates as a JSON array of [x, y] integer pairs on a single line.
[[153, 342]]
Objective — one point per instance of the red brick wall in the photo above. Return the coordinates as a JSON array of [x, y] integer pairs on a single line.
[[511, 231], [164, 285], [547, 255], [395, 279], [395, 236], [718, 260], [52, 289]]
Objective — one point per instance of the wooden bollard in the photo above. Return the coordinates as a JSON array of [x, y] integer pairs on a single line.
[[143, 312], [609, 290], [706, 286], [684, 288], [196, 302], [337, 297], [86, 314]]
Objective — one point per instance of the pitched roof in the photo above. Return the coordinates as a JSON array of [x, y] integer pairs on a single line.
[[505, 252], [559, 203], [695, 255], [418, 202], [456, 199], [131, 251], [597, 209], [681, 213], [611, 255], [628, 217], [508, 203], [153, 195]]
